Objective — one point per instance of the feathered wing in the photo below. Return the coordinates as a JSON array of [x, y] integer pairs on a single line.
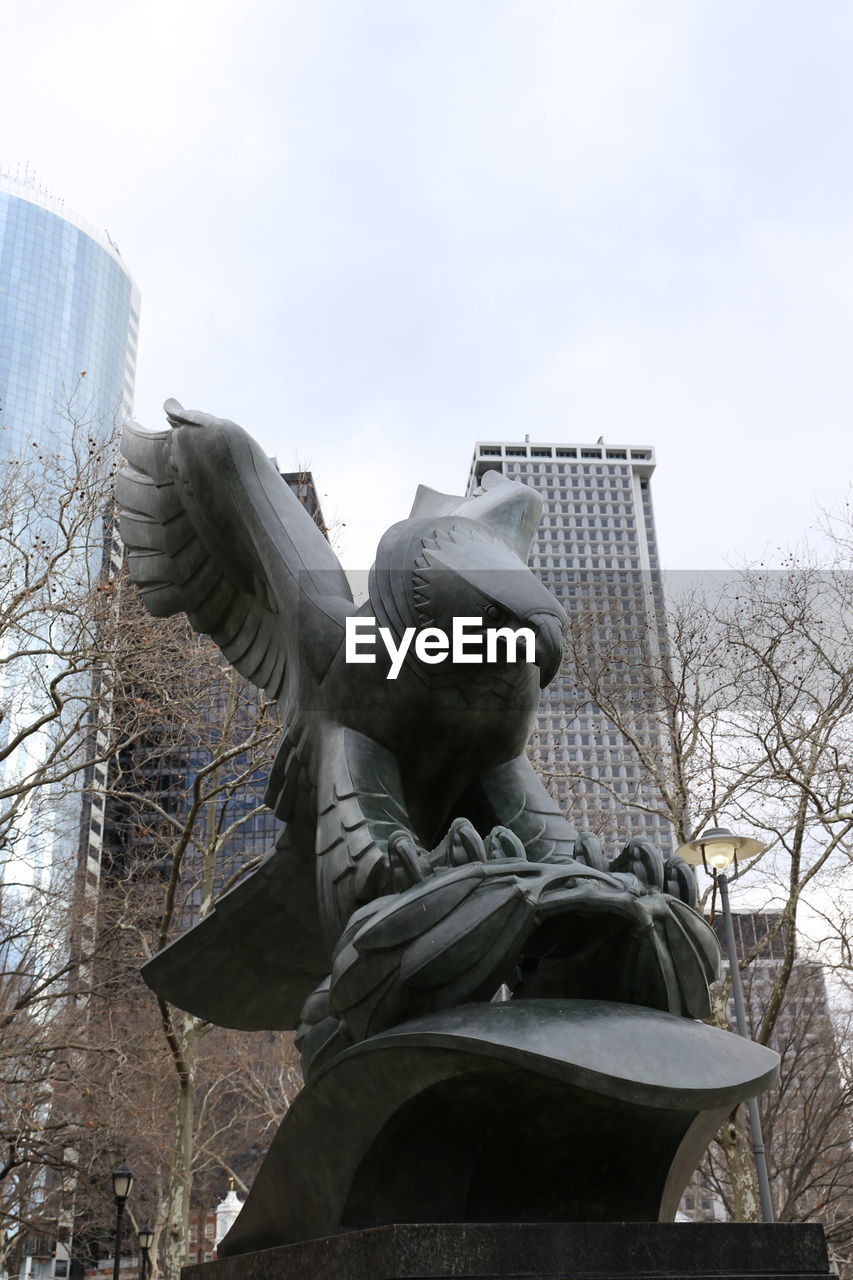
[[251, 963], [211, 529]]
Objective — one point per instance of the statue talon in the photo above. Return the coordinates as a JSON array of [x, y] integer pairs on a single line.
[[587, 849], [680, 882], [405, 859], [640, 858], [503, 845], [411, 864], [671, 876], [464, 843]]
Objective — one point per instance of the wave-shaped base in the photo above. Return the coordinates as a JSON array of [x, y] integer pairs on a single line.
[[529, 1111]]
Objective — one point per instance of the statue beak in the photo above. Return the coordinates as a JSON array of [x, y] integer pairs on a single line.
[[549, 645]]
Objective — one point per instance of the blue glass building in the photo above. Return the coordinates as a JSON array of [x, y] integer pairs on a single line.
[[68, 306]]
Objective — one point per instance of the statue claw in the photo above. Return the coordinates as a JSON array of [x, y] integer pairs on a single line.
[[503, 844], [461, 846], [641, 859], [404, 857], [587, 849], [465, 844], [680, 882]]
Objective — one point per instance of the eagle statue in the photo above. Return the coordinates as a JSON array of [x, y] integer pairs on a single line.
[[421, 863]]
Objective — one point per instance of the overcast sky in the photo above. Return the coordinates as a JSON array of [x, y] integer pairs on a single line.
[[375, 231]]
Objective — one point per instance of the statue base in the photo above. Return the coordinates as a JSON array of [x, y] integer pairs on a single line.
[[532, 1111], [542, 1251]]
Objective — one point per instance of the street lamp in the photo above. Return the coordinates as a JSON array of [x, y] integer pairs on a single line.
[[145, 1235], [716, 849], [122, 1183]]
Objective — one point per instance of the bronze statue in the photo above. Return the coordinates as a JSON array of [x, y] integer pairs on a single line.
[[422, 863]]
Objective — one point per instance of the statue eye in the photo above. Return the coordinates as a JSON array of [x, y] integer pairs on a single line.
[[493, 612]]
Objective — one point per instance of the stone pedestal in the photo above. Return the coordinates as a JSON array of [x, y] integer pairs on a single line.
[[532, 1111], [541, 1251]]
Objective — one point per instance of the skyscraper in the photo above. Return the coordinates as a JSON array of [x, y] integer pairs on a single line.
[[69, 315], [68, 307], [595, 549]]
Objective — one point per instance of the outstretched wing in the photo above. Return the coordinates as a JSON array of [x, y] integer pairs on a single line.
[[251, 963], [213, 530]]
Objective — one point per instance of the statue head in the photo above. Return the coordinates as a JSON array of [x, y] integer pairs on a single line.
[[430, 571]]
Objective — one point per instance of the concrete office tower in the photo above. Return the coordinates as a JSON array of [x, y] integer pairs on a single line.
[[595, 547], [68, 306]]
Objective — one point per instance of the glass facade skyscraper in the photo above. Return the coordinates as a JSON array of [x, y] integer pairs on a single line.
[[68, 306], [69, 318], [596, 551]]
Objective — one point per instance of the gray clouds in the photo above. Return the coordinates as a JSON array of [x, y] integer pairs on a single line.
[[375, 232]]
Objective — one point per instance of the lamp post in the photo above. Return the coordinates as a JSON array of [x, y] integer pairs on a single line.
[[122, 1182], [715, 850], [145, 1235]]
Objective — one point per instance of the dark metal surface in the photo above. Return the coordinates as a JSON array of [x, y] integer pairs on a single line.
[[533, 1111], [422, 862]]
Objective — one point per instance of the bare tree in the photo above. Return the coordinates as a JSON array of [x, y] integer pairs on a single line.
[[737, 712], [126, 759], [180, 799], [806, 1117], [53, 611]]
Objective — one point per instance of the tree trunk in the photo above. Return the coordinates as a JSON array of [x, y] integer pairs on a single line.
[[180, 1175], [733, 1137]]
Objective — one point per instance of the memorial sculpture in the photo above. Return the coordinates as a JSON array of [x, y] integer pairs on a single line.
[[421, 865]]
